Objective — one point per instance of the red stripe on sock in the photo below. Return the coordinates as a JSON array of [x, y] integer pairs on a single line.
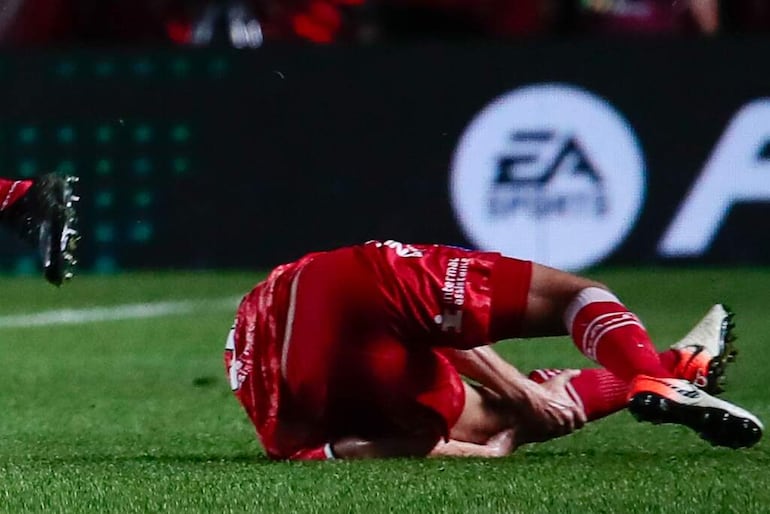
[[611, 335], [598, 391], [669, 359], [601, 392]]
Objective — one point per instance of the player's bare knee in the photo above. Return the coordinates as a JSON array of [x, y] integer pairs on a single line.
[[551, 294], [584, 289], [559, 286]]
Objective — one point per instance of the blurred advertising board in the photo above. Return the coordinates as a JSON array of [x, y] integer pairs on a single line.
[[573, 153]]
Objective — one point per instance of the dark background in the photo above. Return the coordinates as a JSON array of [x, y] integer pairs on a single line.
[[220, 158]]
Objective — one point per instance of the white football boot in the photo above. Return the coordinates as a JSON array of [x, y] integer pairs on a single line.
[[673, 400], [707, 349]]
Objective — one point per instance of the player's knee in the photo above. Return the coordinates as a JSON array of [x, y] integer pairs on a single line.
[[591, 288], [588, 284], [579, 283], [586, 291], [559, 286], [552, 293]]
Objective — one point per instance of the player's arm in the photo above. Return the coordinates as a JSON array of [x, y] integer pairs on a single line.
[[500, 445], [360, 448], [488, 368], [549, 403], [419, 445], [413, 445]]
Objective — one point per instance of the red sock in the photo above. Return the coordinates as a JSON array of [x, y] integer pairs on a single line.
[[12, 190], [607, 332], [597, 391], [669, 359]]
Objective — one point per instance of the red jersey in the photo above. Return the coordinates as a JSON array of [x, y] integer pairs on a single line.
[[256, 342], [341, 343]]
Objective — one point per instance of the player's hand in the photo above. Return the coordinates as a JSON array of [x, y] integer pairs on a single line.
[[552, 408]]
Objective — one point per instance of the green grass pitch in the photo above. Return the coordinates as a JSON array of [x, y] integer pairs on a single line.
[[135, 416]]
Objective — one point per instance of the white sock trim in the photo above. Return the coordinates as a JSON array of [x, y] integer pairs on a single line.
[[583, 298]]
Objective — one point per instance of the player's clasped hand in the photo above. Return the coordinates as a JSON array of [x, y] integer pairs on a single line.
[[552, 407]]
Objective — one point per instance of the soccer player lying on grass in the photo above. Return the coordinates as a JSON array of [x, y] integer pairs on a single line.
[[41, 212], [358, 353]]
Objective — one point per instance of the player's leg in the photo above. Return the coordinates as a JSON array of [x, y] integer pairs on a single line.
[[392, 400], [339, 351], [600, 394], [461, 299], [41, 211], [601, 327], [484, 415], [699, 357], [482, 297], [597, 391], [414, 388], [414, 391], [607, 332], [403, 400]]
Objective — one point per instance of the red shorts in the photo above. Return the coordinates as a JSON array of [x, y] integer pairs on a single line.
[[364, 324]]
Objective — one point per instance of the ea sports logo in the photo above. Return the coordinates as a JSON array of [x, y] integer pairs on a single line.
[[550, 173]]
